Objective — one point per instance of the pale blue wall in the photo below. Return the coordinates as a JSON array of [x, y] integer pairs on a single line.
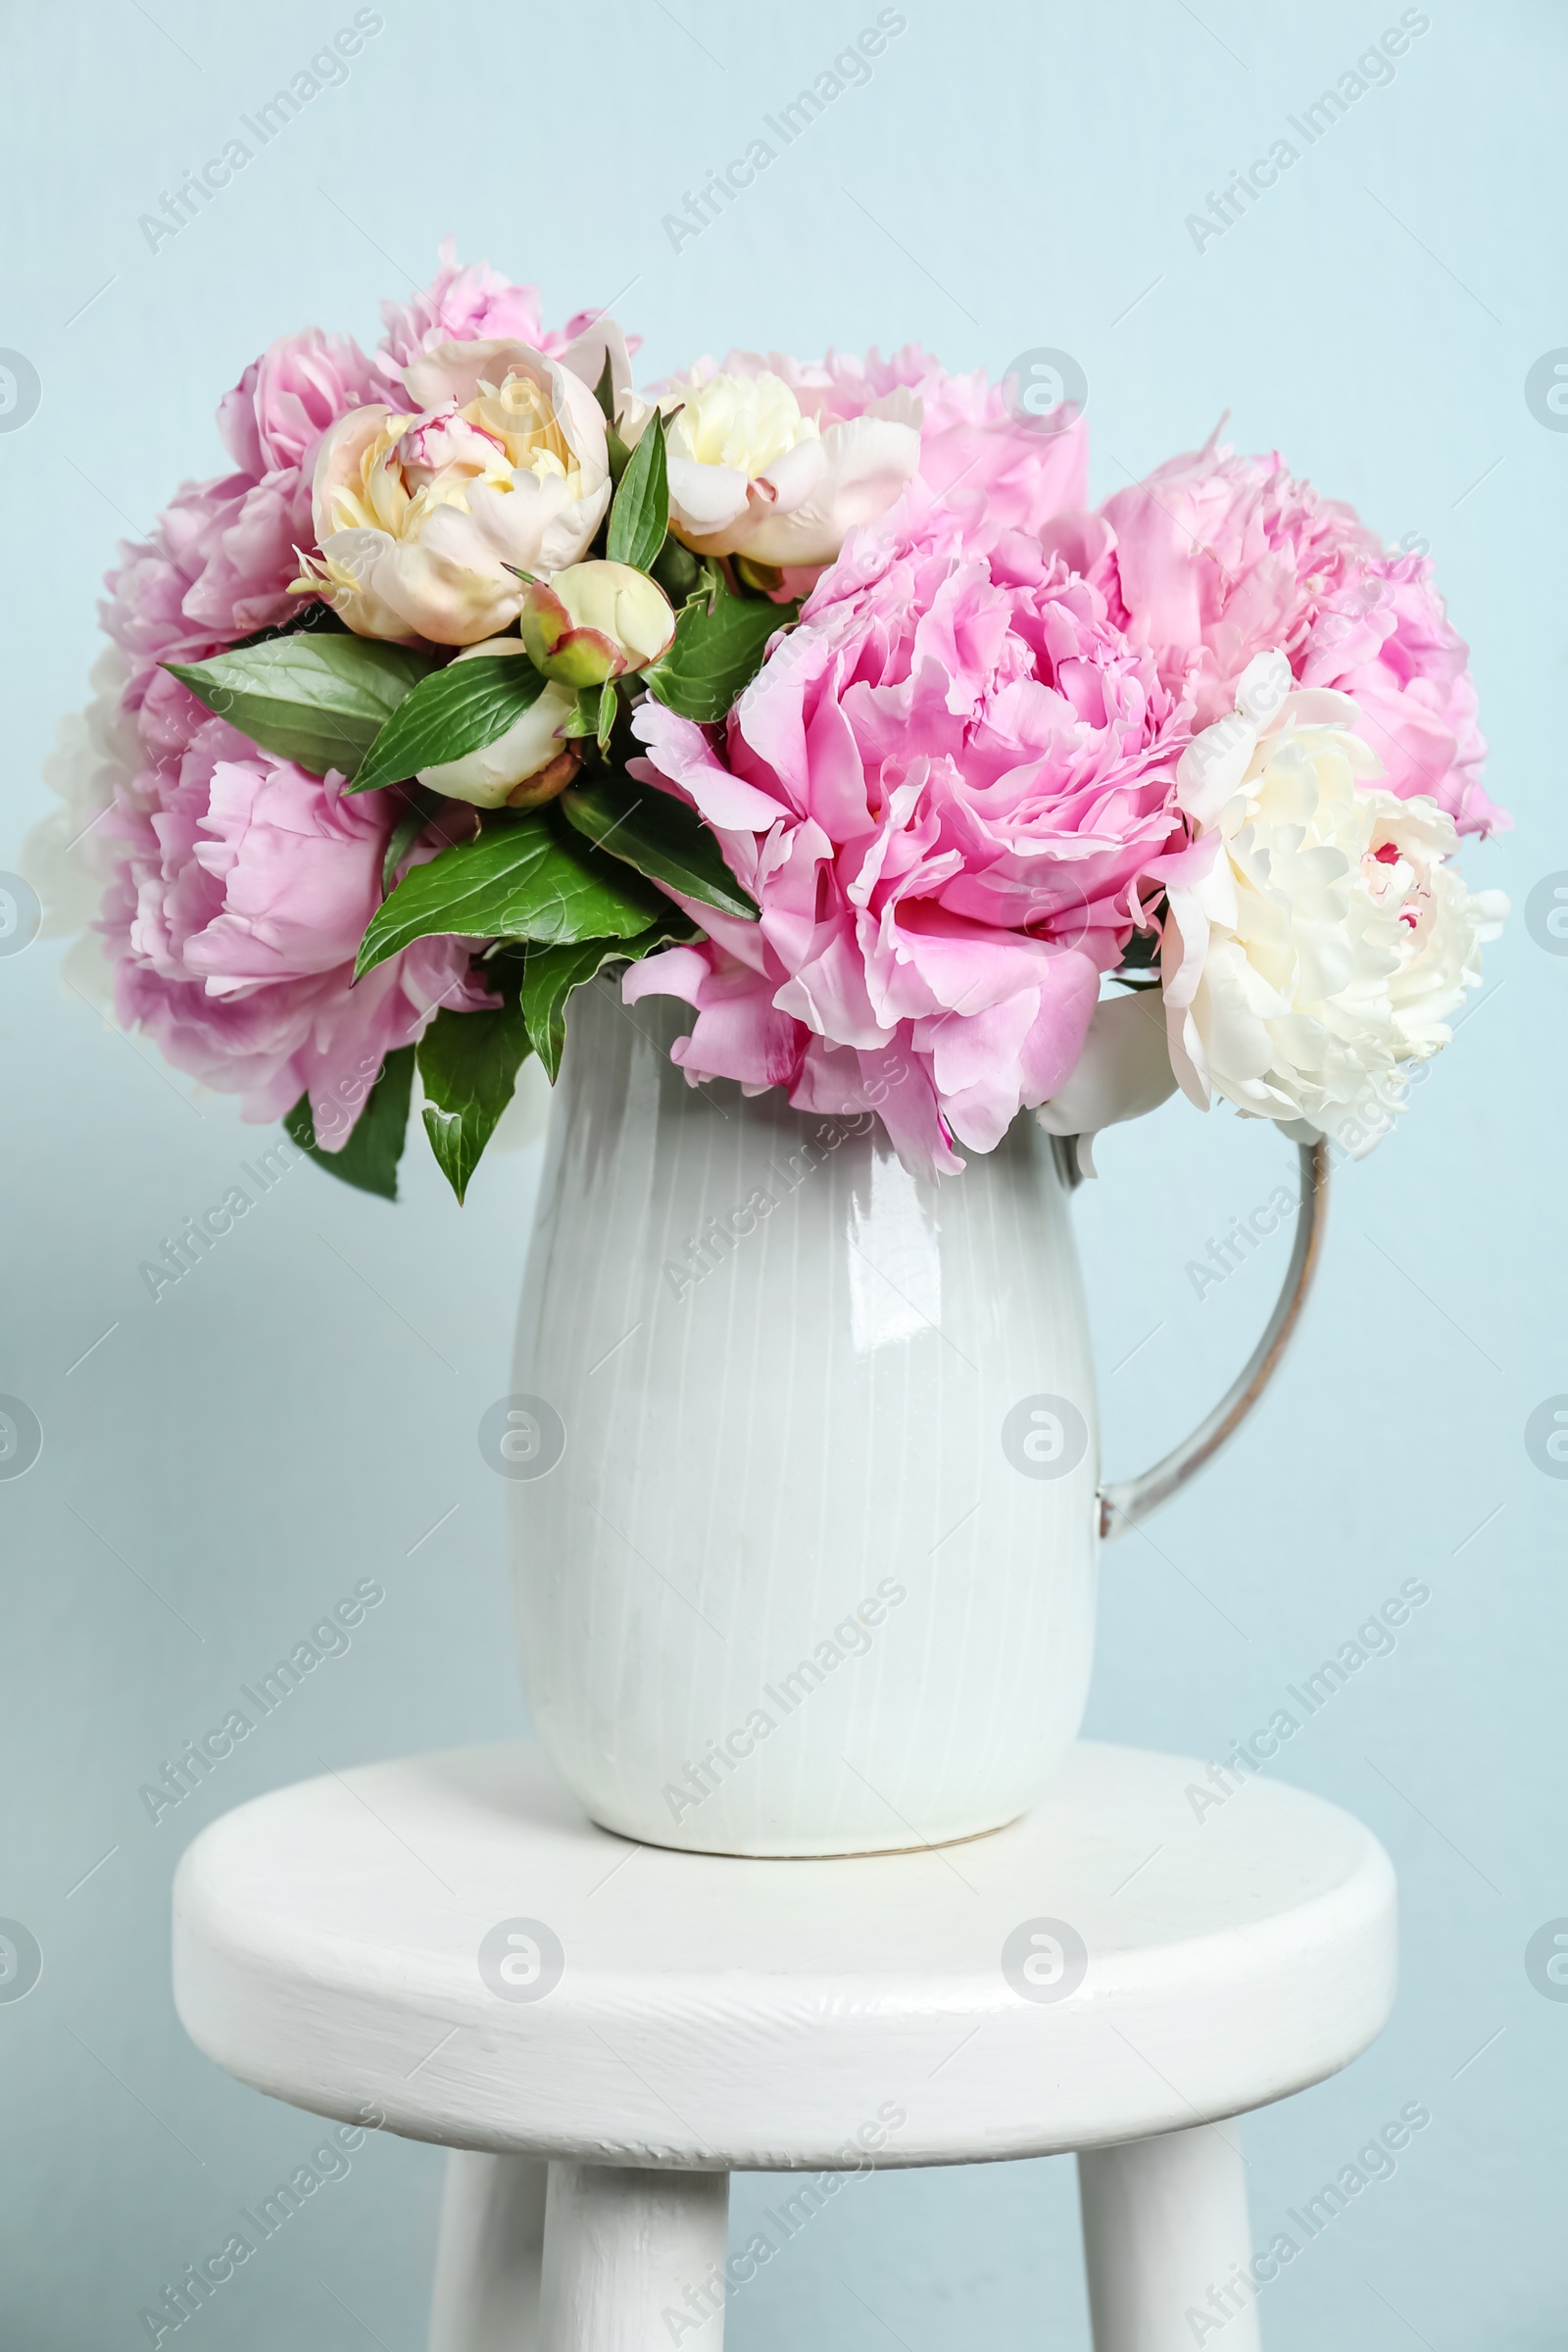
[[1014, 175]]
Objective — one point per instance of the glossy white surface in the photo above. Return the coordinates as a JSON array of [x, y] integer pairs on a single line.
[[716, 2013], [785, 1546]]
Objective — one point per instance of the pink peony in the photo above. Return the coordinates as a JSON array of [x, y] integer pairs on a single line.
[[220, 560], [950, 790], [474, 304], [234, 918], [245, 884], [283, 402], [1217, 558], [1389, 645]]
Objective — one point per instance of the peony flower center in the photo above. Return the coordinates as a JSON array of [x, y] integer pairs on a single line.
[[418, 462], [1396, 884], [448, 442], [744, 421], [523, 423]]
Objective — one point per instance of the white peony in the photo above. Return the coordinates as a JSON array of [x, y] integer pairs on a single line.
[[1328, 941], [69, 854], [750, 474]]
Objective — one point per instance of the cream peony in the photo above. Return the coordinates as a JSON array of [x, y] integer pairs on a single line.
[[1329, 940], [490, 777], [503, 464], [750, 474]]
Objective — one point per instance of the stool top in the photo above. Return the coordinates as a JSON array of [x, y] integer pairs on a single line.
[[447, 1943]]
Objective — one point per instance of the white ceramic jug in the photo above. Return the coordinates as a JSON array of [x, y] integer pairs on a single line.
[[804, 1462]]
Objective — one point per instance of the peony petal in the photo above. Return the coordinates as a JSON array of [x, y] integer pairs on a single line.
[[585, 355], [456, 370], [865, 465], [704, 499], [681, 753], [1123, 1071], [338, 460], [791, 479]]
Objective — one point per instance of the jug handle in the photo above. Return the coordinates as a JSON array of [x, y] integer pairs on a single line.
[[1124, 1502]]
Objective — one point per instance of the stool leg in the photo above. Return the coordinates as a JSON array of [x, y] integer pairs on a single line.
[[1165, 2244], [486, 2294], [634, 2260]]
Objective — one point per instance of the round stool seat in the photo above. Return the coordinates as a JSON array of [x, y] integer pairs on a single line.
[[447, 1944]]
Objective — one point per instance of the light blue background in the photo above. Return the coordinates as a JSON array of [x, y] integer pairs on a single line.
[[286, 1422]]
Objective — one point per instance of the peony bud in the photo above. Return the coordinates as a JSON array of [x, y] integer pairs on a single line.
[[595, 621], [489, 777]]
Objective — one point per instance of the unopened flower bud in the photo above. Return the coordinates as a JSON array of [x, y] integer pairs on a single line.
[[491, 775], [595, 621]]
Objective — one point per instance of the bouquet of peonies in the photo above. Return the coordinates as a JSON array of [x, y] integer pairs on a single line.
[[813, 695]]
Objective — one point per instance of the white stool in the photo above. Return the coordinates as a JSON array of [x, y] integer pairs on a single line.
[[447, 1948]]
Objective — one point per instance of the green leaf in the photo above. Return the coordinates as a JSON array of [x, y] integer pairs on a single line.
[[369, 1158], [420, 806], [315, 616], [678, 571], [639, 519], [527, 879], [605, 393], [661, 836], [551, 974], [316, 699], [584, 721], [468, 1064], [454, 712], [718, 651]]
